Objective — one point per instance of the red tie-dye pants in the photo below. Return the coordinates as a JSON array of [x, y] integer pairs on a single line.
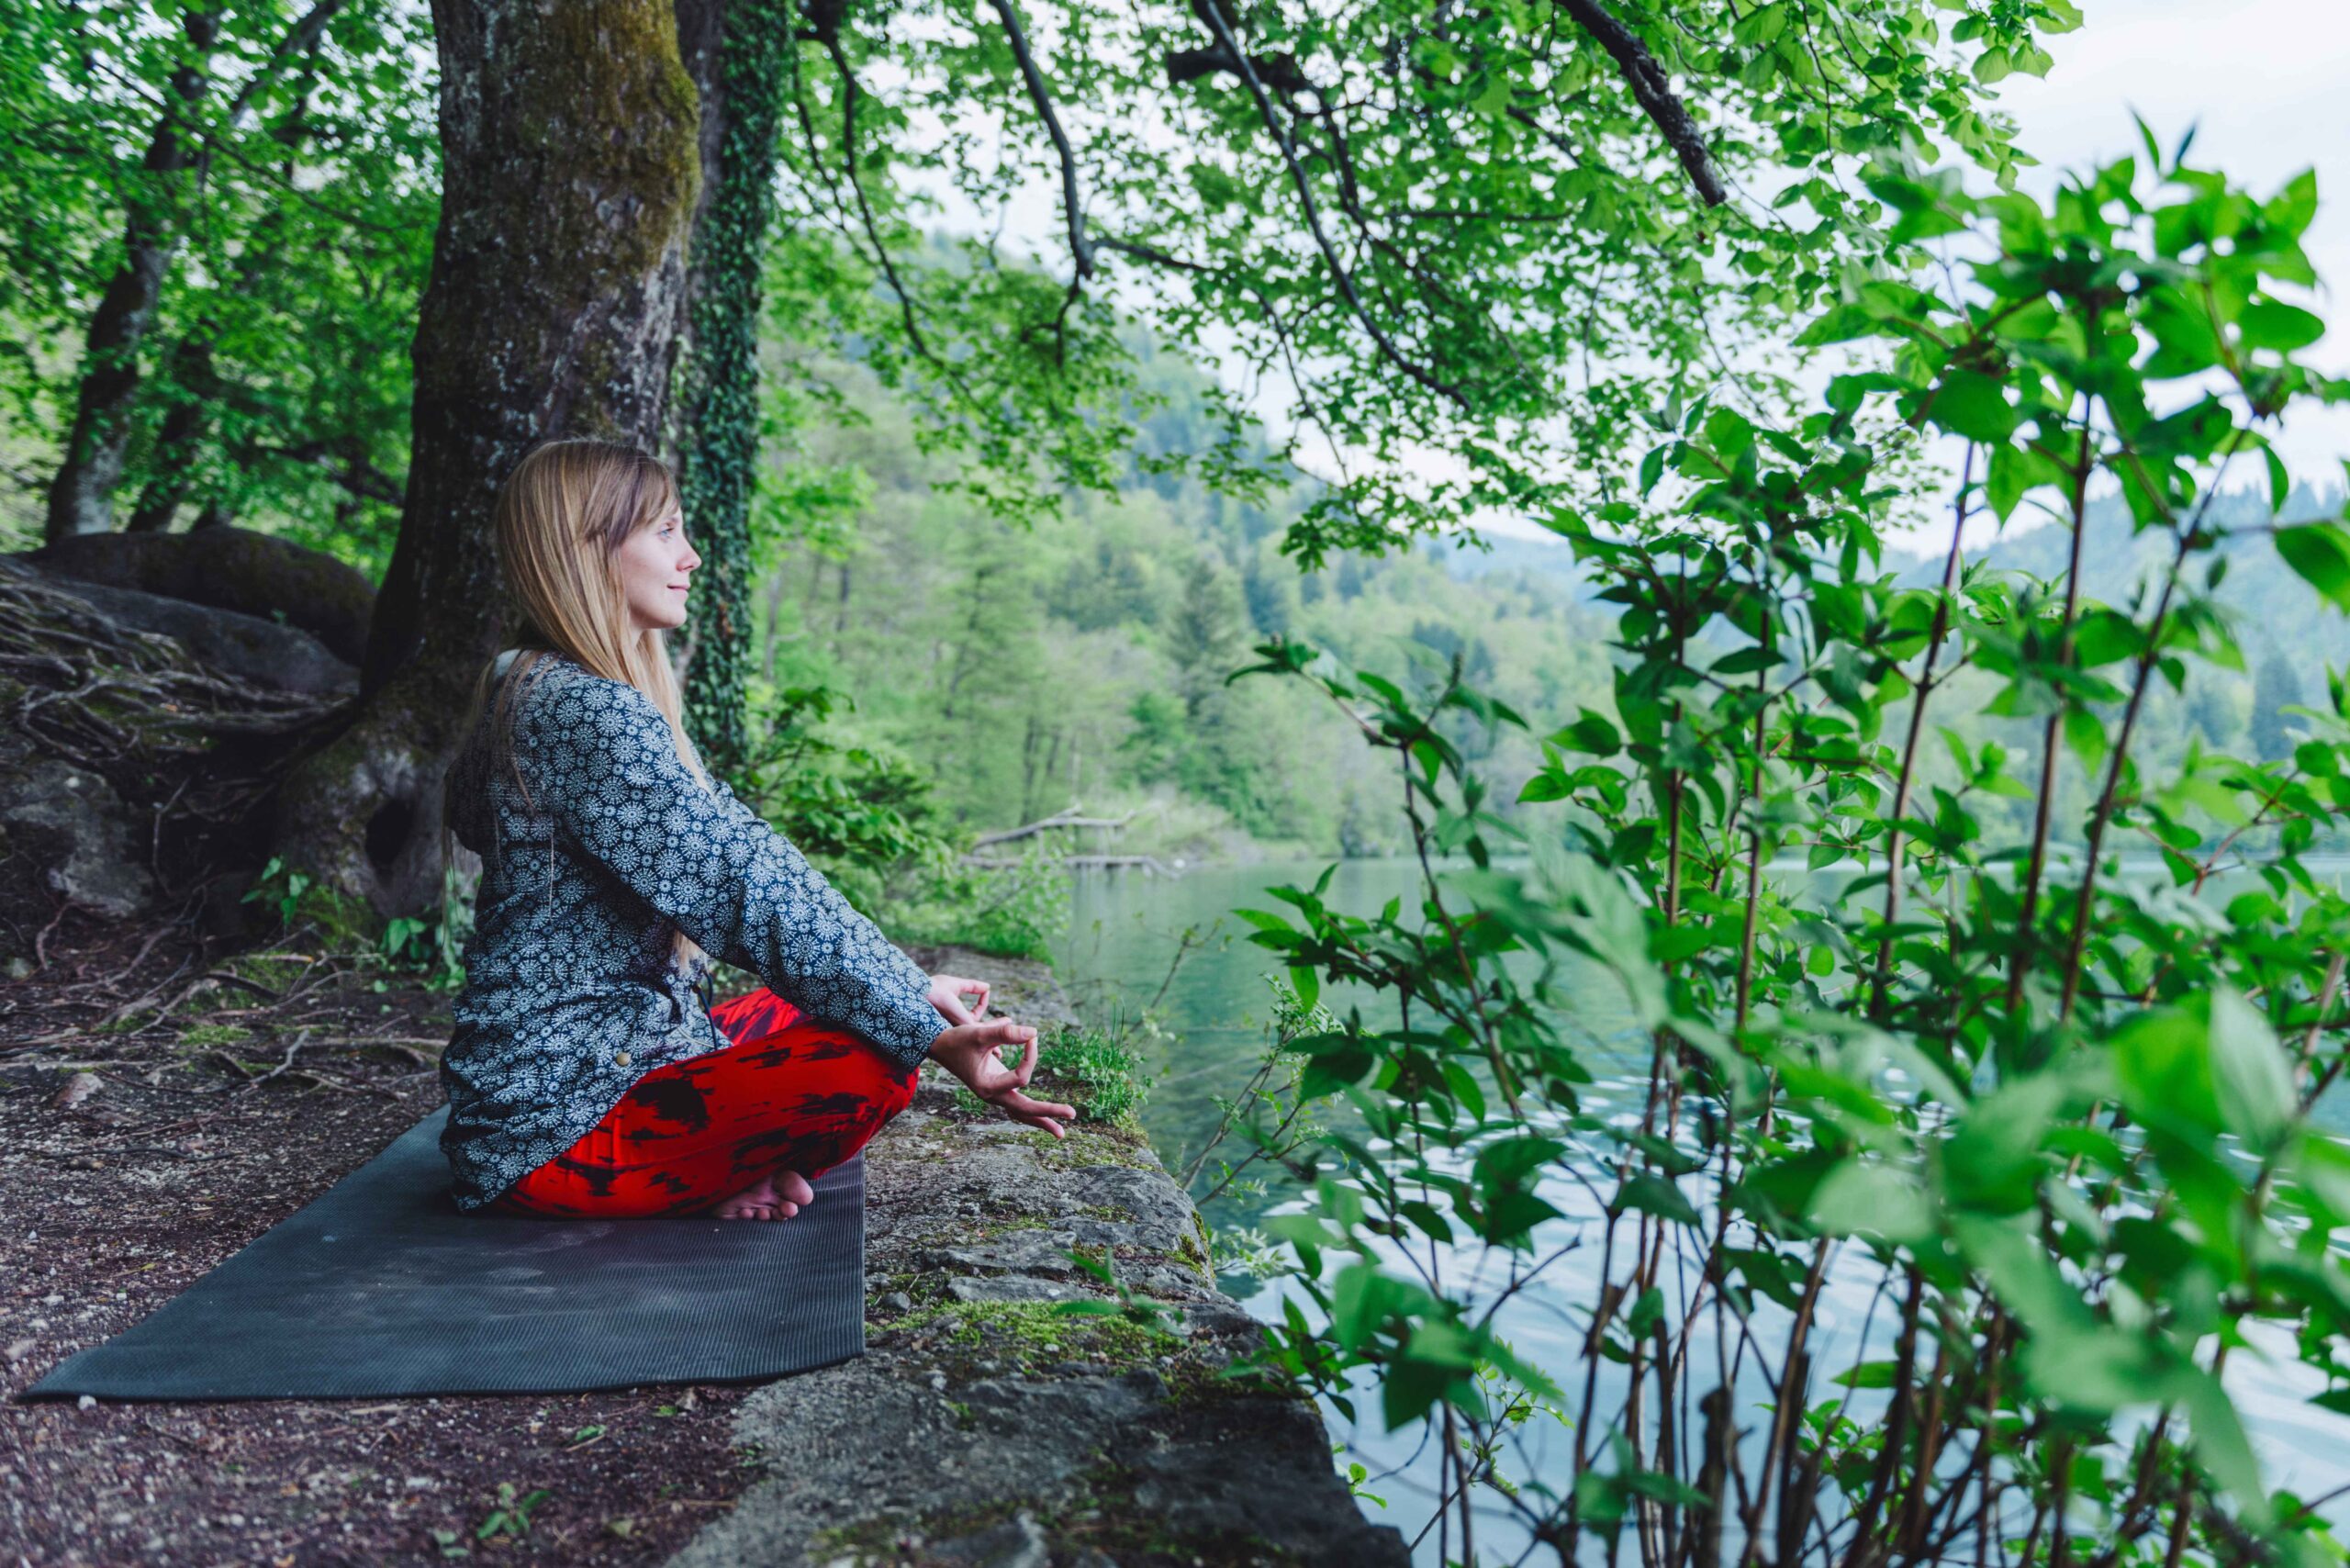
[[788, 1094]]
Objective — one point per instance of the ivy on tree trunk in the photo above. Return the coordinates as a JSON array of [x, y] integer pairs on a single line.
[[719, 433]]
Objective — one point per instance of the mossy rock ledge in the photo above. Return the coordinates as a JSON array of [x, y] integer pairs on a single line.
[[983, 1427]]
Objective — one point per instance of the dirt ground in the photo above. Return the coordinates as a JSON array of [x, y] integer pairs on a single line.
[[161, 1106]]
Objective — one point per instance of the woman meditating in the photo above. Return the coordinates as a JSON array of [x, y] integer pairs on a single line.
[[588, 1077]]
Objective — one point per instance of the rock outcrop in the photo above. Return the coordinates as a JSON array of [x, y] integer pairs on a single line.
[[141, 738], [985, 1425], [245, 647]]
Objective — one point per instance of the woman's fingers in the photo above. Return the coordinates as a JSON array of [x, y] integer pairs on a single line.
[[1037, 1113], [949, 1004], [948, 990], [1022, 1105], [999, 1083], [1047, 1114]]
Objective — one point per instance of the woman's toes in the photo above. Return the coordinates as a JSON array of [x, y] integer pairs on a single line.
[[793, 1188]]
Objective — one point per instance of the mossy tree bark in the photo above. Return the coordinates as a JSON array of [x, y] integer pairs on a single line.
[[571, 175], [718, 430]]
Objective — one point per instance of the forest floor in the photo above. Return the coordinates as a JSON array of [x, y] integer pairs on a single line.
[[152, 1121], [162, 1105]]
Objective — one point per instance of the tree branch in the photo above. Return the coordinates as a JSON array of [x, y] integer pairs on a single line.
[[1649, 86], [1081, 250], [1213, 15], [1279, 71]]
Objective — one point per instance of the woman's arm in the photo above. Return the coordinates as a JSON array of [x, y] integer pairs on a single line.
[[609, 774]]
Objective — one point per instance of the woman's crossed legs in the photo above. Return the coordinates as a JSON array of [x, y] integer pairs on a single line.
[[738, 1132]]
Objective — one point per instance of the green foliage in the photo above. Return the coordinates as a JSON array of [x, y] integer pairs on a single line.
[[1018, 910], [280, 887], [1275, 1114], [511, 1516], [2054, 1115], [1468, 234], [861, 809], [1154, 1316], [1111, 1087], [273, 381], [1022, 670]]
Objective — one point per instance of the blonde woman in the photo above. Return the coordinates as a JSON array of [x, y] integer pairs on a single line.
[[587, 1074]]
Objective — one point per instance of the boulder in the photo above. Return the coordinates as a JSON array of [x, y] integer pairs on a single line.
[[229, 568], [246, 647]]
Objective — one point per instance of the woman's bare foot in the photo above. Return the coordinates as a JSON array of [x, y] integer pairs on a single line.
[[779, 1194]]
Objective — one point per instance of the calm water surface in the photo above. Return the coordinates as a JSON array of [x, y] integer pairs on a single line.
[[1126, 929]]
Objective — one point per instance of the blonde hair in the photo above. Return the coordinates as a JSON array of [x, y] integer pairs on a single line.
[[561, 517]]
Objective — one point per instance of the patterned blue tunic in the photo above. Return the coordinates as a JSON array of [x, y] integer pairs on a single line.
[[570, 994]]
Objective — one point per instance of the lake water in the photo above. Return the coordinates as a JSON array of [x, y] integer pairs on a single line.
[[1126, 929]]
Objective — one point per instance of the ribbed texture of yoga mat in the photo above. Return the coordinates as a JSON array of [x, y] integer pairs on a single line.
[[381, 1287]]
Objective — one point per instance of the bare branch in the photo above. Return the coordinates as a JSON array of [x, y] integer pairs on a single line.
[[1279, 71]]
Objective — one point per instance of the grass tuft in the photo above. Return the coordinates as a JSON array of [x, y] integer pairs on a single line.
[[1107, 1076]]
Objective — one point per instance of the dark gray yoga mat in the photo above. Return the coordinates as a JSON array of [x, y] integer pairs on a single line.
[[380, 1286]]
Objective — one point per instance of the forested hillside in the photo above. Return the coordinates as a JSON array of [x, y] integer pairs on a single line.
[[1081, 658]]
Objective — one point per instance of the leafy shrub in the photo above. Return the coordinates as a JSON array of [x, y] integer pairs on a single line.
[[2053, 1120]]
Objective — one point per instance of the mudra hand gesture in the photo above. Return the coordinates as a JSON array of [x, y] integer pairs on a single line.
[[971, 1050]]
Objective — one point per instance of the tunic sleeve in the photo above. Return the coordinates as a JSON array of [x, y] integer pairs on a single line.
[[610, 778]]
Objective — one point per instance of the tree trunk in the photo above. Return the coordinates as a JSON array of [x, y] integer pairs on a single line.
[[178, 444], [744, 47], [570, 177], [81, 497]]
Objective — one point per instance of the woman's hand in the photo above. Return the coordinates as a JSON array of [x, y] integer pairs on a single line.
[[969, 1052], [947, 994]]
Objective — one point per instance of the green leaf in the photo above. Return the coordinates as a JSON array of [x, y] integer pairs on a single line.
[[2254, 1081], [1858, 1198], [2221, 1444], [1653, 469], [1654, 1194], [2162, 1063], [2320, 552], [2273, 324], [2004, 484], [1974, 405], [1592, 732]]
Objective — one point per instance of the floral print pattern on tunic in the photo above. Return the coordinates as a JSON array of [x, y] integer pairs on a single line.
[[570, 994]]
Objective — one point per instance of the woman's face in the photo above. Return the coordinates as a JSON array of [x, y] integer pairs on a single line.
[[653, 567]]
